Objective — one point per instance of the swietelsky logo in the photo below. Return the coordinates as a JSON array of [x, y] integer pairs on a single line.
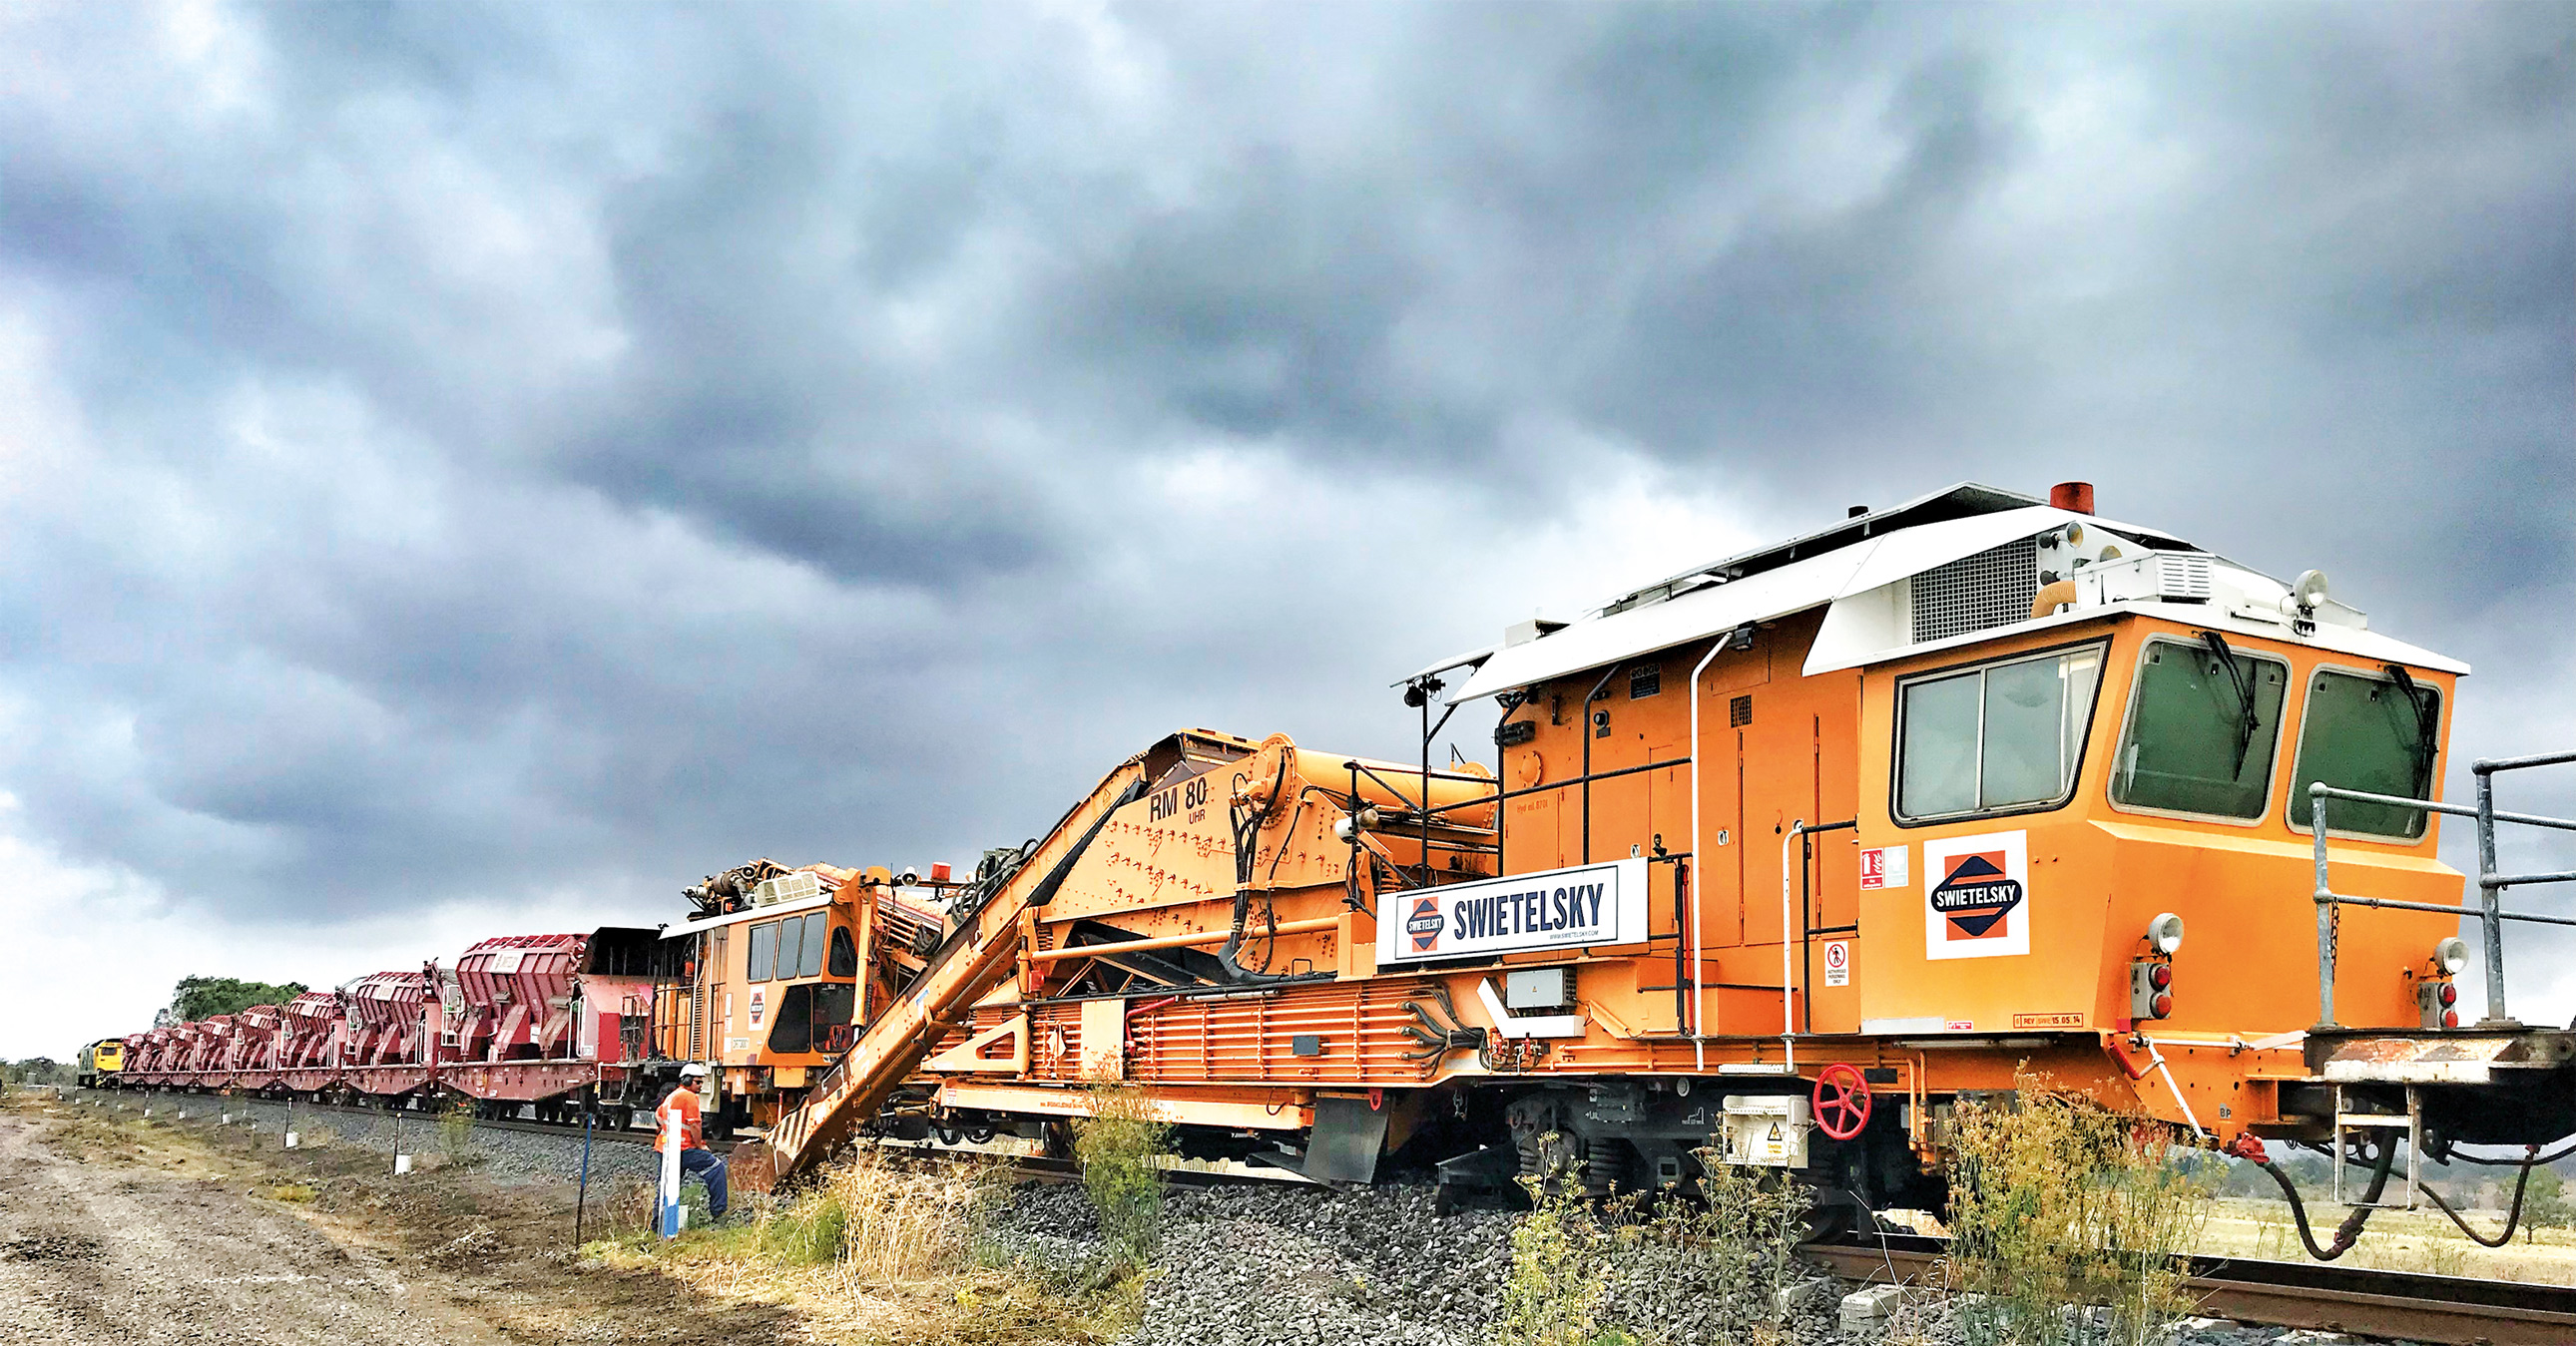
[[1977, 903], [1425, 923], [1977, 897]]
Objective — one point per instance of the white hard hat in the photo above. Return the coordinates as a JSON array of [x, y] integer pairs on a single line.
[[693, 1071]]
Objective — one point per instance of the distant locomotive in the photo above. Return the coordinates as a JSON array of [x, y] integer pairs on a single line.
[[99, 1063]]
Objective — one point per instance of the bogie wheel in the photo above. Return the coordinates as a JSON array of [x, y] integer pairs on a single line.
[[1836, 1213], [1841, 1101]]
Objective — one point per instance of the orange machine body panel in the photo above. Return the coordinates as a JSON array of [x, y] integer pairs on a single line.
[[1236, 908]]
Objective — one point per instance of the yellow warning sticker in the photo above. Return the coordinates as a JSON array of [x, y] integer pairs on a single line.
[[2070, 1019]]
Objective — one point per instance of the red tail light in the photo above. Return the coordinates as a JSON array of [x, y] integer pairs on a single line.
[[2150, 990], [2434, 999]]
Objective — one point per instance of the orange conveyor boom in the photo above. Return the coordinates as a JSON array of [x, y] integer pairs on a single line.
[[973, 960]]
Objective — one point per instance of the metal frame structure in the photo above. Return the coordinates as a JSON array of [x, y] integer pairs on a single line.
[[2489, 913]]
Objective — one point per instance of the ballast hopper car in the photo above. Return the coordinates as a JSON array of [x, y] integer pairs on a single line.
[[1779, 857]]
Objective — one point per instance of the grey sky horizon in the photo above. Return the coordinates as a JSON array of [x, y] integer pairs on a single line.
[[468, 467]]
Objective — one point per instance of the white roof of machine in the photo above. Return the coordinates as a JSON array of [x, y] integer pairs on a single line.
[[1595, 641], [816, 903], [1856, 555]]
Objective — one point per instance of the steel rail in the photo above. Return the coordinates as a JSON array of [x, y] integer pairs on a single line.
[[2447, 1310], [430, 1116]]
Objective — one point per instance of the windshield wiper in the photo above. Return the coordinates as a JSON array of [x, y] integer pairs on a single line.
[[2244, 684], [2425, 726]]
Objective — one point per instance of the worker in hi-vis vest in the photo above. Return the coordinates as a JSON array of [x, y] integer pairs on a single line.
[[696, 1160]]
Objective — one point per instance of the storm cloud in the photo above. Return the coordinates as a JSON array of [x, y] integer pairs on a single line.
[[462, 459]]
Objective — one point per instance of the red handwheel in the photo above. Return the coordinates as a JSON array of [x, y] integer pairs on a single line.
[[1842, 1102]]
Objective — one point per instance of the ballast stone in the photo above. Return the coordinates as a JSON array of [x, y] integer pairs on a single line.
[[1865, 1312]]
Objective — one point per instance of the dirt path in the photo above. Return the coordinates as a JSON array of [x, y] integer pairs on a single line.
[[139, 1232], [90, 1253]]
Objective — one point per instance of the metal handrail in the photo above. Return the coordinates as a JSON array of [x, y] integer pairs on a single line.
[[2489, 912]]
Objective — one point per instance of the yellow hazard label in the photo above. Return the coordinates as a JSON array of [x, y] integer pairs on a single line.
[[2070, 1019]]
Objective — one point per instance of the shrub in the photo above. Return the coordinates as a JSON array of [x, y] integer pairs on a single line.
[[456, 1131], [2058, 1202], [1554, 1292], [1117, 1146]]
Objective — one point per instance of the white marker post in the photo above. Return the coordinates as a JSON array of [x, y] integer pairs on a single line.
[[673, 1217]]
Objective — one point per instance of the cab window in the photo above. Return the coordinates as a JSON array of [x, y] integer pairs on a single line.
[[791, 945], [2005, 736], [763, 940], [2366, 733], [2203, 728], [810, 963]]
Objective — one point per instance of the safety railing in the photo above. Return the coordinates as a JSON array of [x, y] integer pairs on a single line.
[[2489, 912]]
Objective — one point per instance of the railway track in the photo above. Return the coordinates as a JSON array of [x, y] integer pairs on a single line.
[[2441, 1310], [428, 1119], [2450, 1310]]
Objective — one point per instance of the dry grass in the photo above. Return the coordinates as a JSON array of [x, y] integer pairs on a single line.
[[878, 1250], [2395, 1240]]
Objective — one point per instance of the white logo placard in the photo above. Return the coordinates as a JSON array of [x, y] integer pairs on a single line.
[[1976, 896], [1553, 909]]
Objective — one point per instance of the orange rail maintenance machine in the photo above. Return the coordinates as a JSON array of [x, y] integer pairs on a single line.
[[1778, 858]]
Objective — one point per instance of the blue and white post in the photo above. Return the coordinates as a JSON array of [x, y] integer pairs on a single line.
[[673, 1214]]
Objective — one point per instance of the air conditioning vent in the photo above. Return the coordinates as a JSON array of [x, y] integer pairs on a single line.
[[2182, 579], [2157, 576], [1992, 588], [795, 887]]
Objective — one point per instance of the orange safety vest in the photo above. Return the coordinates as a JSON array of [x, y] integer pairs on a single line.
[[683, 1101]]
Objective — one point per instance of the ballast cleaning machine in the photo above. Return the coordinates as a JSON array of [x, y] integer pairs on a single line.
[[1777, 858]]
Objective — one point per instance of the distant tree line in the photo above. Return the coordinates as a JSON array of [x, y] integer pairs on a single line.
[[206, 997], [35, 1070]]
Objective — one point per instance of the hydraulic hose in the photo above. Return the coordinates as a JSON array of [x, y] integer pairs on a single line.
[[2349, 1232], [2512, 1216], [1245, 823]]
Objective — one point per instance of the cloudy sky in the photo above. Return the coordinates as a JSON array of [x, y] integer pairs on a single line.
[[471, 470]]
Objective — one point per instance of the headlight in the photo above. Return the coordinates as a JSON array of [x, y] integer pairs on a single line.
[[2164, 934], [2451, 955]]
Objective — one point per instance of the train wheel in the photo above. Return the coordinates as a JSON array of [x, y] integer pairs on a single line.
[[1837, 1213]]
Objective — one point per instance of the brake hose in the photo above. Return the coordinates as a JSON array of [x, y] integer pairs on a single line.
[[2512, 1216], [2349, 1232]]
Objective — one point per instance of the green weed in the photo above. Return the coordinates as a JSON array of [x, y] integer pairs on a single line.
[[2055, 1202], [1117, 1146]]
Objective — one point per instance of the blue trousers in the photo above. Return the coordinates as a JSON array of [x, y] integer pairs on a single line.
[[707, 1167]]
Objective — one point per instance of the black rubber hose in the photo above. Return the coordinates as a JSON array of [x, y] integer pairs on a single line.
[[2512, 1217], [2543, 1161], [2349, 1232]]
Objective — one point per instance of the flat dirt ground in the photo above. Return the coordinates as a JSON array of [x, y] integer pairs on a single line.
[[115, 1229]]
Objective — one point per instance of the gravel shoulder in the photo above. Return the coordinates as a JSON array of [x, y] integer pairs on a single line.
[[117, 1229], [176, 1251]]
